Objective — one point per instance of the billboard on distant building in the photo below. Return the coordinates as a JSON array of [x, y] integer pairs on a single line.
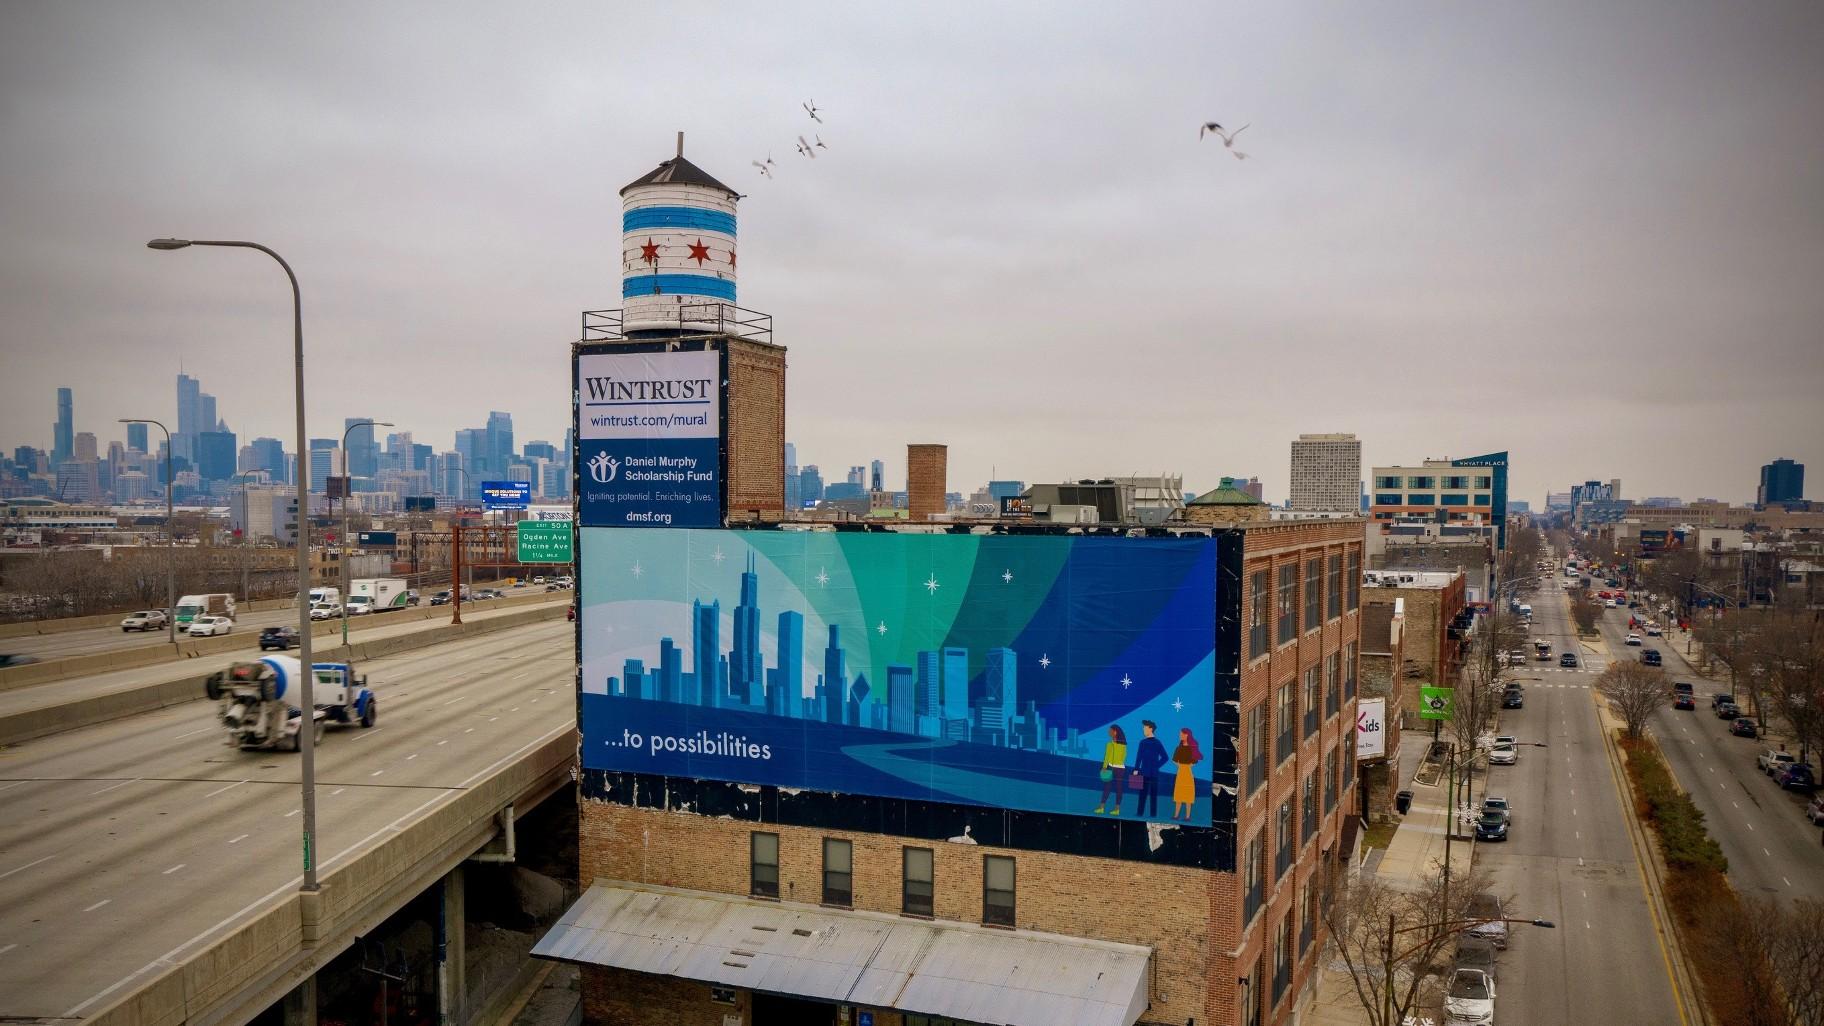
[[506, 494], [649, 439], [991, 670]]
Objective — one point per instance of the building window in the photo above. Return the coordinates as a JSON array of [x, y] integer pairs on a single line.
[[1349, 668], [1313, 698], [1421, 499], [1314, 593], [1250, 996], [1283, 719], [1420, 482], [1285, 612], [1308, 823], [1333, 685], [1307, 929], [1457, 499], [1257, 747], [1254, 883], [1282, 856], [918, 880], [1355, 579], [1458, 482], [1282, 961], [1388, 482], [1347, 749], [763, 865], [838, 872], [997, 890], [1334, 591], [1331, 782], [1485, 482], [1481, 500], [1260, 595], [1389, 499]]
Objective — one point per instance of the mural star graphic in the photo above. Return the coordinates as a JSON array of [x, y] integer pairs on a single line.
[[882, 628], [636, 569], [1177, 705], [718, 555], [1007, 576], [822, 578], [698, 252], [931, 585], [1045, 662], [649, 253], [731, 258], [1126, 682]]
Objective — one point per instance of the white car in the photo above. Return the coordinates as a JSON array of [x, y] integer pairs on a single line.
[[1471, 998], [1654, 631], [209, 626], [325, 610], [1634, 639], [1611, 603], [538, 580], [144, 620], [1504, 754]]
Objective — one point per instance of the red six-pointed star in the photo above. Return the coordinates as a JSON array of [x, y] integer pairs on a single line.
[[698, 252], [650, 252], [731, 257]]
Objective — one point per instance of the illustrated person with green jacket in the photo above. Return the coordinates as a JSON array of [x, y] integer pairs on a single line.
[[1114, 770]]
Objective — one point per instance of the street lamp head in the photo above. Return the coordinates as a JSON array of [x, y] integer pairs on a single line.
[[168, 244]]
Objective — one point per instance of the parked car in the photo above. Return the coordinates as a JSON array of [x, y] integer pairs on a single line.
[[1491, 826], [1727, 711], [1504, 755], [145, 620], [1495, 803], [1654, 631], [1814, 810], [1475, 953], [1650, 657], [1772, 761], [1568, 659], [1471, 998], [1797, 777], [281, 638], [1513, 699], [1685, 702], [1487, 908], [1744, 727], [1516, 658], [209, 626], [1719, 698]]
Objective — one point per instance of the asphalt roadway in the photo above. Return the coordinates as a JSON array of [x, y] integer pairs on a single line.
[[1772, 849], [1569, 858], [134, 840]]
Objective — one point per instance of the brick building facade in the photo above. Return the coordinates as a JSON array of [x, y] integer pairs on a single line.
[[1383, 676], [1227, 912], [1434, 603]]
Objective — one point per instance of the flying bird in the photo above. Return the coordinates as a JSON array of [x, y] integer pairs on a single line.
[[820, 144], [811, 109], [767, 171], [1228, 138], [1207, 127], [805, 148]]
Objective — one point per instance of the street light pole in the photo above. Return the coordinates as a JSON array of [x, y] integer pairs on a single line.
[[348, 480], [306, 691], [456, 561], [170, 531]]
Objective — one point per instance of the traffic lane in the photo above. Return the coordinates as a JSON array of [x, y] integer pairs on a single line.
[[59, 691], [1570, 861], [90, 640], [100, 876], [1772, 849]]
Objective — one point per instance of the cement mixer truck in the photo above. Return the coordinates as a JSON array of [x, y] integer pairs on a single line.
[[256, 701]]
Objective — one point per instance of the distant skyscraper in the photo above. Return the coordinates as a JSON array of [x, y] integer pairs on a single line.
[[269, 455], [858, 476], [136, 437], [85, 447], [835, 674], [216, 454], [1000, 695], [877, 474], [363, 454], [902, 700], [189, 415], [1327, 473], [746, 666], [500, 442], [1781, 481], [705, 659], [540, 450], [791, 455], [787, 685], [810, 485], [323, 462], [62, 432]]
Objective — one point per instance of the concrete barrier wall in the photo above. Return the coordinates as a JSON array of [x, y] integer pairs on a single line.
[[190, 648], [30, 628], [82, 712], [206, 983]]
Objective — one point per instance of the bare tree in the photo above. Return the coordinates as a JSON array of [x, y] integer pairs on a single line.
[[1394, 942], [1636, 691], [1786, 657], [1584, 611]]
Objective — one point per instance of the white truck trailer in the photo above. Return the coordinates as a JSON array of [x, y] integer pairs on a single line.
[[256, 701], [377, 595]]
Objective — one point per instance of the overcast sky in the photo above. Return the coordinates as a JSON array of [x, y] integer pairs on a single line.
[[1594, 237]]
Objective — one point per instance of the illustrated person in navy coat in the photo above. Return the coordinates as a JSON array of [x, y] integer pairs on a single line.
[[1147, 763]]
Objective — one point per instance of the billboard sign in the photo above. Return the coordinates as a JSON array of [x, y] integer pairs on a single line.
[[1370, 729], [1436, 703], [551, 514], [989, 670], [649, 439], [420, 503], [545, 541], [378, 539], [506, 494]]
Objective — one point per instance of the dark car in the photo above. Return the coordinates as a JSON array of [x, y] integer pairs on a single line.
[[1650, 657], [1743, 727], [1568, 659], [442, 598], [1719, 698], [1727, 711], [1476, 953], [1513, 699], [1491, 826], [281, 638], [1798, 777], [16, 660], [1685, 702]]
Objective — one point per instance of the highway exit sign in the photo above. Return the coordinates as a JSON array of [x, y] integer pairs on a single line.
[[546, 542]]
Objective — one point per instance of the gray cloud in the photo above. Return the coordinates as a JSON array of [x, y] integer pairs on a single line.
[[1588, 236]]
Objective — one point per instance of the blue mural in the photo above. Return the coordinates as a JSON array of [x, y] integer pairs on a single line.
[[1056, 673]]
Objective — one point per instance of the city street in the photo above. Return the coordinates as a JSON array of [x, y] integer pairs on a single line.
[[1569, 858], [1772, 849]]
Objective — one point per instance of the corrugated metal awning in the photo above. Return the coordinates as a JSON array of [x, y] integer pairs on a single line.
[[867, 959]]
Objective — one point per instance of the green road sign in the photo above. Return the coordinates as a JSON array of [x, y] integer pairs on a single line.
[[546, 542], [1436, 703]]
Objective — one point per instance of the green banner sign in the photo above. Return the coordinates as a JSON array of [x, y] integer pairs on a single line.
[[1436, 703], [546, 542]]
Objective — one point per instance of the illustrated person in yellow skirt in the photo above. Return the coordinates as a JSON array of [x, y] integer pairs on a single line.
[[1184, 790], [1114, 769]]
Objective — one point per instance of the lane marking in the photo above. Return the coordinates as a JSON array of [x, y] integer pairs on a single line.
[[188, 733], [514, 709], [239, 839], [219, 790], [8, 948], [412, 756], [25, 867], [1751, 826], [15, 783], [445, 741], [370, 732], [174, 869], [1788, 883], [111, 787], [292, 813], [1769, 854], [337, 791], [453, 701], [376, 773], [471, 730], [491, 719], [98, 904]]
